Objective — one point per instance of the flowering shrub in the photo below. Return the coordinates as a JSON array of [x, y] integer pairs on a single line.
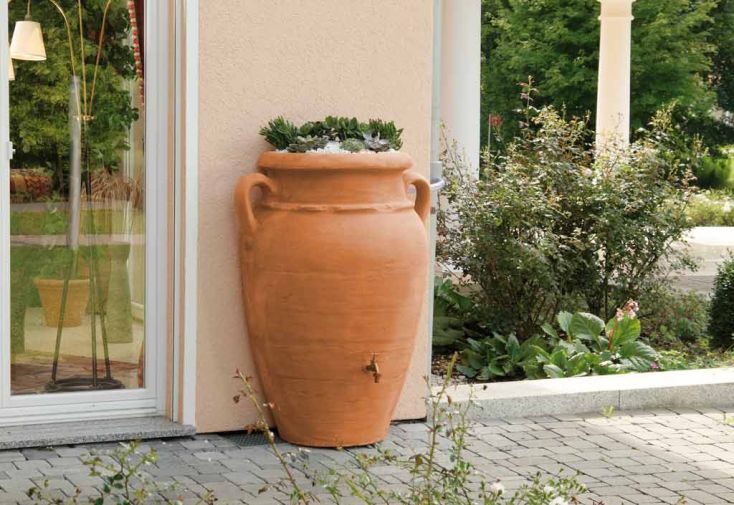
[[550, 224]]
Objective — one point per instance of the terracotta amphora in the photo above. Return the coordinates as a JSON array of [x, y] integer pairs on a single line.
[[334, 269]]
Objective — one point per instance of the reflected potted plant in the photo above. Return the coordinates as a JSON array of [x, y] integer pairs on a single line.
[[334, 272], [54, 263]]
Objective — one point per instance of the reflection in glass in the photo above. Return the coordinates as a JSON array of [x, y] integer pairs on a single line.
[[77, 196]]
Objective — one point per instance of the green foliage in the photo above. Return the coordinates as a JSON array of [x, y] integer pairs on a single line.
[[334, 128], [375, 135], [39, 96], [723, 58], [711, 208], [672, 316], [280, 132], [305, 144], [497, 357], [591, 347], [373, 142], [385, 130], [353, 145], [721, 311], [450, 311], [682, 51], [549, 224], [694, 357], [713, 173], [122, 481]]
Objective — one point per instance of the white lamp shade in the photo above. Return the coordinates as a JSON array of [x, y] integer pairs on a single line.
[[11, 70], [27, 43]]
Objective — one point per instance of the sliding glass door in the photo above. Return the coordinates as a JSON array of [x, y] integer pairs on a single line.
[[84, 232]]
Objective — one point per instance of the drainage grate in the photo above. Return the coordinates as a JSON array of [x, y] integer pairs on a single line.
[[244, 439]]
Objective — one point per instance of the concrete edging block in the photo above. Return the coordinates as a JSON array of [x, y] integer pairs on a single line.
[[581, 395]]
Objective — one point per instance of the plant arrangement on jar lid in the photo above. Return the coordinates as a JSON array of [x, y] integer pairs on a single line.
[[333, 135]]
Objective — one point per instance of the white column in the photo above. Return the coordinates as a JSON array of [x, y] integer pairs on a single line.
[[615, 54], [461, 75]]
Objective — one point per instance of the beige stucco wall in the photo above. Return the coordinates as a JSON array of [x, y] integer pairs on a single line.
[[303, 59]]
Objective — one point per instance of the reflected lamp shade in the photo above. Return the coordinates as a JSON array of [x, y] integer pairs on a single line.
[[27, 42], [11, 70]]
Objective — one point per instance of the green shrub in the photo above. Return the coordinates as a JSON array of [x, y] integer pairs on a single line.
[[713, 173], [712, 208], [669, 315], [450, 312], [550, 224], [721, 311]]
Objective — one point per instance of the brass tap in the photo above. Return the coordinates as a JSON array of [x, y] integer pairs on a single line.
[[374, 368]]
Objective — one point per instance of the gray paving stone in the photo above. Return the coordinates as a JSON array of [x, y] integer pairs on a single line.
[[636, 458]]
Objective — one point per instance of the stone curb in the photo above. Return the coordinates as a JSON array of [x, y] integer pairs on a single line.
[[582, 395]]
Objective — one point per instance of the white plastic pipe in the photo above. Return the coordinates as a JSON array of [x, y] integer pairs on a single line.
[[615, 66], [461, 47], [436, 172]]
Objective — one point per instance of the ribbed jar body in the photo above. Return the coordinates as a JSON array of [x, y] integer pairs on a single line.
[[334, 271]]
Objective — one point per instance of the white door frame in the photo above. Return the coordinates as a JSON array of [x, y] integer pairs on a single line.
[[190, 300], [56, 407]]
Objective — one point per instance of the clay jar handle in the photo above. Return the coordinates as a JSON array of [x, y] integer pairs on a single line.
[[423, 193], [243, 199]]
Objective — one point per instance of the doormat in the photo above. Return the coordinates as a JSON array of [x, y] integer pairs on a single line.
[[244, 439]]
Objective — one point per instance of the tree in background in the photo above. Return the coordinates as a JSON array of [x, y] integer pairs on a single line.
[[723, 59], [39, 97], [682, 53]]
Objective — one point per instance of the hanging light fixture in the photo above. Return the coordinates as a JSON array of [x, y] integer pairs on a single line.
[[27, 43]]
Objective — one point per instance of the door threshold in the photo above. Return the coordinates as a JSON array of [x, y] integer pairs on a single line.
[[87, 432]]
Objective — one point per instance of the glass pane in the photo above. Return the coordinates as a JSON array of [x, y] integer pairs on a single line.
[[77, 196]]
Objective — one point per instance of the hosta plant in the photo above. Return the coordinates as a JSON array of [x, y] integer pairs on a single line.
[[498, 356], [451, 310], [591, 347]]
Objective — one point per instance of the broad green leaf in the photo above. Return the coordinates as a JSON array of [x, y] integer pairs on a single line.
[[467, 371], [626, 330], [513, 346], [553, 371], [585, 326], [637, 349], [564, 321], [549, 330]]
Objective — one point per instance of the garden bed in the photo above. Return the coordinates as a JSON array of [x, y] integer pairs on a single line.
[[561, 261]]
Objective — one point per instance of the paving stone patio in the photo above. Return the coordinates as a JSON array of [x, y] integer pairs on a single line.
[[650, 457]]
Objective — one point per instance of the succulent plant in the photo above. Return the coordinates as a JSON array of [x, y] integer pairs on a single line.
[[280, 132], [385, 130], [373, 142], [308, 143], [335, 128], [375, 135], [353, 145]]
